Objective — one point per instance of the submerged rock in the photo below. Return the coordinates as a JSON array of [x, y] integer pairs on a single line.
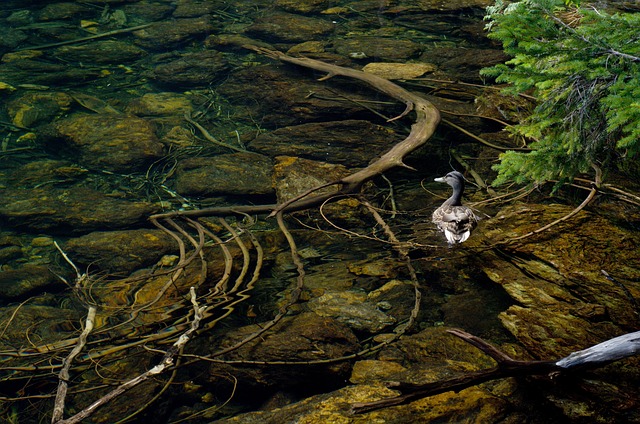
[[393, 71], [47, 319], [304, 337], [148, 10], [449, 5], [372, 370], [294, 176], [385, 49], [199, 69], [566, 303], [120, 252], [352, 309], [233, 173], [38, 107], [69, 210], [304, 6], [17, 284], [427, 356], [160, 104], [195, 8], [101, 52], [30, 71], [280, 27], [167, 35], [282, 97], [108, 142], [470, 405], [11, 38], [63, 10], [464, 63], [349, 142]]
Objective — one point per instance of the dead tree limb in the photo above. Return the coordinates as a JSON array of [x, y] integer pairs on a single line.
[[426, 121], [593, 357], [63, 376]]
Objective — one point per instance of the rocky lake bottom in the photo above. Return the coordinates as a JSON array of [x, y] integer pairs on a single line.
[[139, 140]]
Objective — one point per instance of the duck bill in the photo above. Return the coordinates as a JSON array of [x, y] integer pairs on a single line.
[[440, 179]]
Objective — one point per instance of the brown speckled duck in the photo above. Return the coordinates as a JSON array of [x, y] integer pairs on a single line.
[[452, 218]]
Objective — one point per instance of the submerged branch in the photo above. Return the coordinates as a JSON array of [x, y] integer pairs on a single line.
[[426, 121], [83, 39], [63, 376]]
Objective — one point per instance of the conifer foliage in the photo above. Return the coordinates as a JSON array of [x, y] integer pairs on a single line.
[[582, 63]]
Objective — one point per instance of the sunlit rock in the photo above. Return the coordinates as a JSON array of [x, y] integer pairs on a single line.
[[395, 71], [565, 301]]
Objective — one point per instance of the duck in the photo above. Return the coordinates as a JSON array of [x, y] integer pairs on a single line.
[[454, 219]]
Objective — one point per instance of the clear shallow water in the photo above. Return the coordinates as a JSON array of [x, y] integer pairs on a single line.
[[86, 183]]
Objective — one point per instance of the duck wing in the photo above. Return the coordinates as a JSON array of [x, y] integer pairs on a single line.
[[456, 222]]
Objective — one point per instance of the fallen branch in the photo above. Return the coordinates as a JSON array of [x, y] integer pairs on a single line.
[[593, 357], [63, 376], [427, 119]]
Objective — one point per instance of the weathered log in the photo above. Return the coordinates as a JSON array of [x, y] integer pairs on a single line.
[[593, 357], [603, 353]]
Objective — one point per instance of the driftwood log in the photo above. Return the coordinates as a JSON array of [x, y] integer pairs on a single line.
[[593, 357], [426, 121]]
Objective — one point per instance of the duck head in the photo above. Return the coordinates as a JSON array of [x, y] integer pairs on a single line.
[[453, 178]]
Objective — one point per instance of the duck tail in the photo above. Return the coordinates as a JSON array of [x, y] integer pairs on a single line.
[[454, 238]]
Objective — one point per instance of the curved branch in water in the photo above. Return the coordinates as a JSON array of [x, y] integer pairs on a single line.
[[426, 122]]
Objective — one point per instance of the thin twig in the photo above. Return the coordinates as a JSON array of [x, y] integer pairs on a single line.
[[482, 140], [63, 376], [582, 205], [391, 197], [208, 136], [92, 37], [473, 173]]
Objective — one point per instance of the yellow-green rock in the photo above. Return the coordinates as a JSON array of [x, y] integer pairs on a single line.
[[395, 71]]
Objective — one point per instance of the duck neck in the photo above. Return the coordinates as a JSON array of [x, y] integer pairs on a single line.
[[456, 197]]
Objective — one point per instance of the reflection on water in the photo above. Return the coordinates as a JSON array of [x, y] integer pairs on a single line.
[[117, 111]]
